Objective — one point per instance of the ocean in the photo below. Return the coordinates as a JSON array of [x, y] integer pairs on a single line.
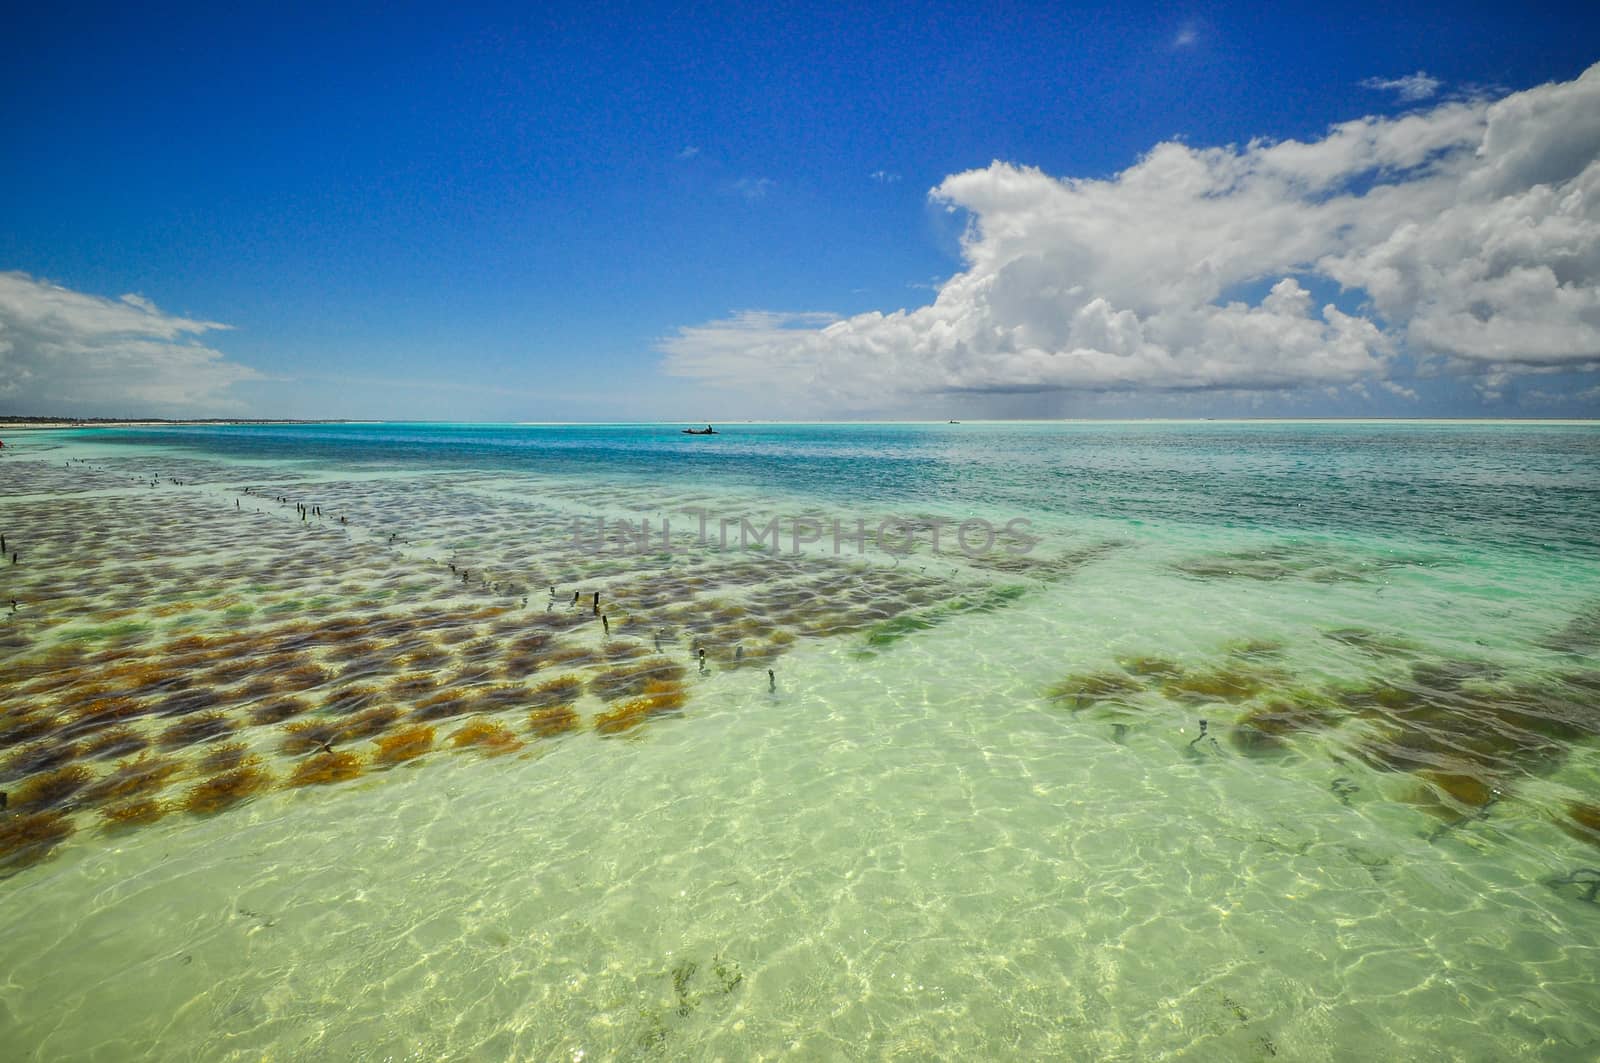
[[1088, 740]]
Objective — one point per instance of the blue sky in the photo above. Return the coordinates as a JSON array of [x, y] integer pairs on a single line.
[[561, 213]]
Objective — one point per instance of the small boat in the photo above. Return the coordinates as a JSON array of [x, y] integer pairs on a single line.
[[706, 431]]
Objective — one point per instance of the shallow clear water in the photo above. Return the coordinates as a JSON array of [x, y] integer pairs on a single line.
[[971, 815]]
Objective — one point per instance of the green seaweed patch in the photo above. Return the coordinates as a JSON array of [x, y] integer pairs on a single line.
[[1254, 649], [1373, 643], [1216, 684], [1493, 733], [102, 632], [1452, 674], [1580, 635], [1085, 690], [1263, 730], [1147, 666], [990, 599]]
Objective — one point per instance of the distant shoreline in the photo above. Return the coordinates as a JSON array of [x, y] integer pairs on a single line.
[[24, 424]]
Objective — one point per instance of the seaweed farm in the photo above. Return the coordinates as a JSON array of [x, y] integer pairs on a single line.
[[1232, 741]]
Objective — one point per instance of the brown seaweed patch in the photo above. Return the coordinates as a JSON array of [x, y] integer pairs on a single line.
[[52, 790], [1084, 690], [104, 712], [405, 744], [17, 727], [574, 655], [326, 768], [225, 757], [1582, 821], [134, 778], [531, 642], [442, 706], [196, 729], [303, 736], [632, 679], [302, 678], [552, 720], [191, 644], [143, 678], [231, 670], [185, 702], [1453, 795], [26, 839], [278, 710], [370, 722], [562, 691], [362, 668], [658, 697], [140, 812], [493, 738], [222, 792], [117, 742], [625, 717], [41, 756], [424, 656], [480, 650], [413, 686], [351, 699], [519, 665], [355, 650], [1468, 789], [664, 695]]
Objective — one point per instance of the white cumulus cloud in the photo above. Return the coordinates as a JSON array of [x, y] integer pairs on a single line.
[[1464, 239], [754, 188], [1411, 88], [63, 351]]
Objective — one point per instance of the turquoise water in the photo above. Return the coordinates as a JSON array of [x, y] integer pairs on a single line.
[[971, 813]]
